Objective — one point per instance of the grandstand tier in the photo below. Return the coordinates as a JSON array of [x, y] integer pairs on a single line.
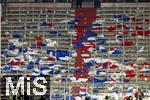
[[85, 52]]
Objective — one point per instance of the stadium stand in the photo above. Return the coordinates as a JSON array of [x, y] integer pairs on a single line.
[[114, 46]]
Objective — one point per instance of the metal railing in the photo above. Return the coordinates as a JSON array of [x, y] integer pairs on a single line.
[[69, 1]]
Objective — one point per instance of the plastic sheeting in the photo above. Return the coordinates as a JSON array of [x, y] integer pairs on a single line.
[[88, 35], [54, 33], [127, 43], [115, 51], [97, 80], [17, 35], [122, 18], [101, 41], [59, 54]]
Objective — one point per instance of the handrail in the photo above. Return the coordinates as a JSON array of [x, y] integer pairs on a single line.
[[68, 5], [69, 1]]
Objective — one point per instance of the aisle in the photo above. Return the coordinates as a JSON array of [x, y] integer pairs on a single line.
[[84, 18]]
